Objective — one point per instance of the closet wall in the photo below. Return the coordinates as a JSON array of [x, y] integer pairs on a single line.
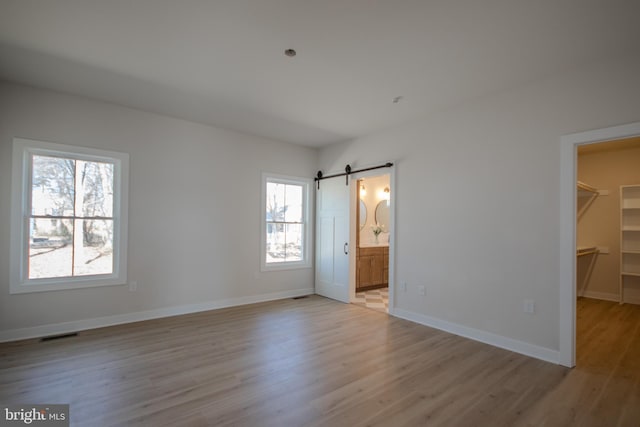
[[605, 166]]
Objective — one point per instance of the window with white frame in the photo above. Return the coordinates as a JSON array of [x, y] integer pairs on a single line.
[[285, 222], [69, 217]]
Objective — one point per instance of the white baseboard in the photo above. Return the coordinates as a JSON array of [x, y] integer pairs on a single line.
[[542, 353], [606, 296], [118, 319]]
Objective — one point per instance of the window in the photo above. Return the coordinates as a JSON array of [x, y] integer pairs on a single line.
[[285, 218], [69, 217]]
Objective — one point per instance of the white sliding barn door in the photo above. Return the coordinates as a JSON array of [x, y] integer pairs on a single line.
[[332, 239]]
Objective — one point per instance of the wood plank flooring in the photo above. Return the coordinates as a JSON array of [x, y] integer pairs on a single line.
[[604, 387], [316, 362]]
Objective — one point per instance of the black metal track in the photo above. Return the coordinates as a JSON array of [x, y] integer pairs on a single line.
[[347, 171]]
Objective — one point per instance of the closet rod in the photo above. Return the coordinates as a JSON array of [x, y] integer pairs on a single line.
[[586, 187], [348, 171], [586, 251]]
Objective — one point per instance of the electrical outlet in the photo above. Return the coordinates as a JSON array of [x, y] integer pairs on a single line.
[[133, 286], [529, 306], [422, 290]]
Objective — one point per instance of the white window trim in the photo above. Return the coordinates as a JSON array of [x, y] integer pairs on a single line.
[[21, 179], [306, 207]]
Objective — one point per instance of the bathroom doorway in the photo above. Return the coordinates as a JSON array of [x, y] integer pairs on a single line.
[[338, 235], [373, 232]]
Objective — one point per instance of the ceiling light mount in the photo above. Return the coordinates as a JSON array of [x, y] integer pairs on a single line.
[[290, 53]]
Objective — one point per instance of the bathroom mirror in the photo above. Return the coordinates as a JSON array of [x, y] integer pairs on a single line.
[[382, 214], [363, 214]]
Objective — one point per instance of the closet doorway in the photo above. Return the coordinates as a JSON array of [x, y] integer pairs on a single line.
[[599, 288], [373, 232], [607, 253]]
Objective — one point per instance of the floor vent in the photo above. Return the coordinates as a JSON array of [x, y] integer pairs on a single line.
[[58, 337], [303, 296]]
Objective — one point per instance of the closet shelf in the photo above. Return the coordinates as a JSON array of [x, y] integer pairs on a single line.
[[586, 250], [586, 189], [630, 274], [629, 239]]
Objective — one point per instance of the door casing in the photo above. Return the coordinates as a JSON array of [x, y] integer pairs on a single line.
[[568, 177]]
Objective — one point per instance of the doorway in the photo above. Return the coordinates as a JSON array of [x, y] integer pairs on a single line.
[[372, 242], [569, 208], [608, 253], [338, 233]]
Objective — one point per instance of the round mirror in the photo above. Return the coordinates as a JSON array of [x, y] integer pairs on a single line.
[[382, 214], [363, 214]]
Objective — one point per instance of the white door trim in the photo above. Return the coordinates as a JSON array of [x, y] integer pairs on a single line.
[[568, 157]]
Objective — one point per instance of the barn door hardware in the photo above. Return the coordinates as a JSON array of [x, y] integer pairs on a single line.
[[348, 171]]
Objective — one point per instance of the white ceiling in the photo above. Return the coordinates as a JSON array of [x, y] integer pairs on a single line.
[[221, 62]]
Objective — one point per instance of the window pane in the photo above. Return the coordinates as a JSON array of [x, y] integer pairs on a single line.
[[275, 243], [93, 247], [293, 236], [293, 200], [52, 191], [50, 248], [95, 189], [275, 202]]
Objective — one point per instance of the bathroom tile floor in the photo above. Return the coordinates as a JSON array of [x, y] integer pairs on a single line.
[[376, 299]]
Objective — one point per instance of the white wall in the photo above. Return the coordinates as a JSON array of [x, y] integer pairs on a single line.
[[477, 203], [194, 216]]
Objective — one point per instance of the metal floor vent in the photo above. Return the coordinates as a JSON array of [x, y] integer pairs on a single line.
[[303, 296], [58, 337]]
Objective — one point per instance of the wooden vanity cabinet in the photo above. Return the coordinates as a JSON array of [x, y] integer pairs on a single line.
[[372, 268]]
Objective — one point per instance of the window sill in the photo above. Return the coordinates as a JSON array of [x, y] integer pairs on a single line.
[[64, 284], [284, 266]]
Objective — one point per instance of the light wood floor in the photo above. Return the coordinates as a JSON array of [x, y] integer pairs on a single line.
[[604, 387], [316, 362]]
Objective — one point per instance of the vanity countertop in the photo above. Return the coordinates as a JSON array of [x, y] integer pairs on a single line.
[[374, 245]]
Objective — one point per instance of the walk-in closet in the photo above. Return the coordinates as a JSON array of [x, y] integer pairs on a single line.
[[608, 221], [608, 260]]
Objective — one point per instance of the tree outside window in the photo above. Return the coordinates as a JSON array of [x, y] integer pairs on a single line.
[[71, 222], [69, 217]]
